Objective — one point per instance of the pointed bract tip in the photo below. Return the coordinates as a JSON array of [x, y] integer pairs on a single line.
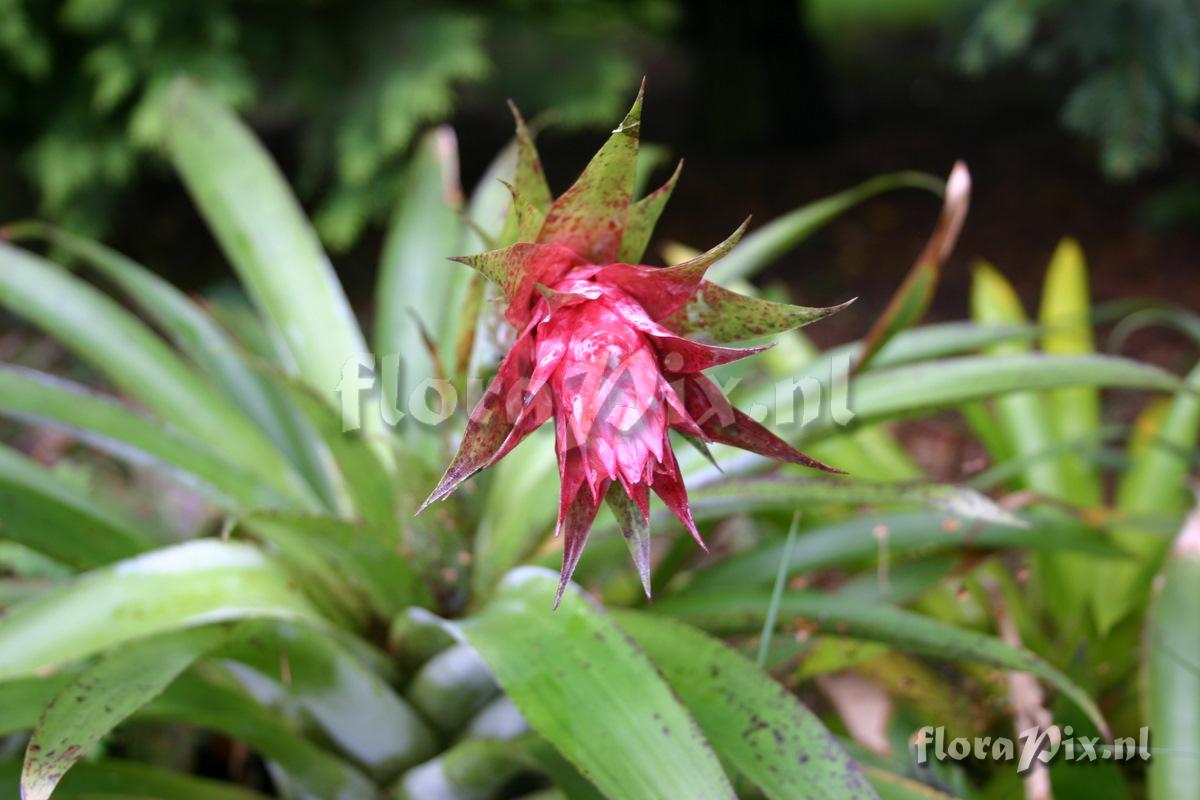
[[558, 596], [516, 112], [958, 184], [633, 119]]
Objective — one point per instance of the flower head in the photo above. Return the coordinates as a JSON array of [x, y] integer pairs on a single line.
[[612, 351]]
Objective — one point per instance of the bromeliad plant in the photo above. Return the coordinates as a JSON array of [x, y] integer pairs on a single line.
[[602, 350], [359, 651]]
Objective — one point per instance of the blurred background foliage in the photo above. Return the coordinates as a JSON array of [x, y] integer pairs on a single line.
[[338, 90], [84, 81]]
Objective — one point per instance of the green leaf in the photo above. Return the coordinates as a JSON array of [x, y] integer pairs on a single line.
[[418, 287], [136, 360], [111, 427], [357, 471], [297, 766], [933, 340], [930, 386], [348, 558], [199, 336], [54, 517], [590, 217], [264, 234], [351, 703], [1154, 483], [776, 492], [891, 786], [111, 778], [855, 541], [1026, 426], [473, 769], [177, 587], [1173, 670], [101, 697], [24, 700], [734, 611], [451, 687], [581, 684], [768, 243], [755, 725], [911, 300], [508, 532], [1065, 316]]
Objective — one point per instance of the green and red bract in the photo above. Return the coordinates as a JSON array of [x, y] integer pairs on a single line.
[[613, 352]]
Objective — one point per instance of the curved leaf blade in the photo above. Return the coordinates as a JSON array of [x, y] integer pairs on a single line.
[[100, 697], [198, 582], [202, 339], [263, 232], [61, 521], [129, 436], [755, 724], [136, 360], [735, 610], [760, 247], [580, 683]]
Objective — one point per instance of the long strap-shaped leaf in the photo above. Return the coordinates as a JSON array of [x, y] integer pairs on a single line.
[[855, 540], [107, 777], [118, 344], [339, 691], [177, 587], [580, 683], [100, 697], [56, 518], [263, 231], [755, 724], [112, 427], [762, 246], [297, 765], [934, 385], [739, 611], [202, 339], [1154, 483]]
